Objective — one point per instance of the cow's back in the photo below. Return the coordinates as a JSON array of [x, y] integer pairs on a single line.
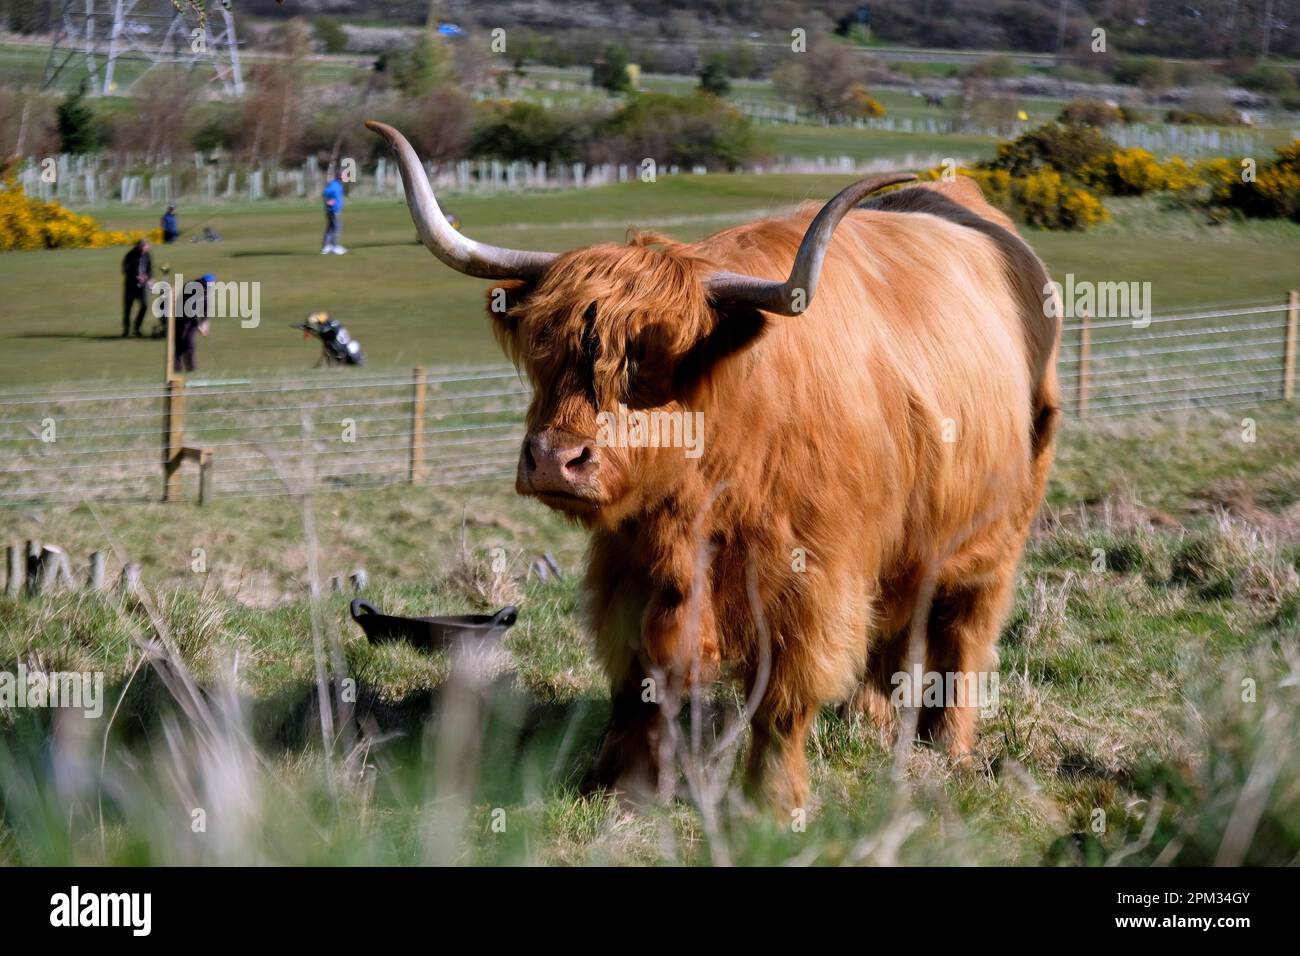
[[905, 392]]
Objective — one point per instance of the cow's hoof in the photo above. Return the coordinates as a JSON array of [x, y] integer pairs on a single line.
[[633, 785]]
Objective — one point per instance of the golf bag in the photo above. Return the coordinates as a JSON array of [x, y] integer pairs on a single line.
[[337, 346]]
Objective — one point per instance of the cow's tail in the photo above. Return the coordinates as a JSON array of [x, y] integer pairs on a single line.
[[1040, 316]]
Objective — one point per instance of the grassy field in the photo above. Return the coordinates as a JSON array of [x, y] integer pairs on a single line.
[[62, 311], [1148, 705]]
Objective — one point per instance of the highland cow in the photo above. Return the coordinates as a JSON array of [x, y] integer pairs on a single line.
[[878, 394]]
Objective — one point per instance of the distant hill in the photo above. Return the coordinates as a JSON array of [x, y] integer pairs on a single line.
[[1207, 29], [1220, 29]]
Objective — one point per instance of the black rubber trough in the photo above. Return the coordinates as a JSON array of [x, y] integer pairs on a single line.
[[432, 633]]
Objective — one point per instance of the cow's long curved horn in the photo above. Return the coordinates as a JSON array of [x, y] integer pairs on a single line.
[[461, 253], [795, 294]]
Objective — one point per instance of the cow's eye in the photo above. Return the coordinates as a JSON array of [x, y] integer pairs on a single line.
[[647, 369], [590, 342], [590, 350]]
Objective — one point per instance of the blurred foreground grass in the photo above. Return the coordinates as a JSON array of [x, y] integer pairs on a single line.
[[1150, 677]]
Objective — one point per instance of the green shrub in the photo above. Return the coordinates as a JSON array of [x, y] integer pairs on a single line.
[[996, 67], [420, 69], [80, 131], [1148, 72], [1268, 78], [330, 34], [1068, 149], [714, 79], [1090, 113], [694, 130], [519, 130], [697, 130], [1197, 118], [609, 72], [213, 133]]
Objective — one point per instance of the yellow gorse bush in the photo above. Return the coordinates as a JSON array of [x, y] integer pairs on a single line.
[[1255, 189], [1135, 172], [28, 223], [863, 105], [1043, 198], [1049, 199], [1279, 189], [1082, 209], [1221, 175]]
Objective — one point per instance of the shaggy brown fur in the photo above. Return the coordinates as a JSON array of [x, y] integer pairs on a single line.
[[898, 435]]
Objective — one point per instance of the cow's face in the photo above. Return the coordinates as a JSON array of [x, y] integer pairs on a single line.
[[611, 326]]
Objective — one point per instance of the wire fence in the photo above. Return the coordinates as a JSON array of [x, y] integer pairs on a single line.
[[1237, 353], [260, 437], [252, 437]]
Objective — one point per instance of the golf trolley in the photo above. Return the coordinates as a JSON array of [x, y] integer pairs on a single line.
[[337, 346]]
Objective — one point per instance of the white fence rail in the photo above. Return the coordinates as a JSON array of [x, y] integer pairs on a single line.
[[98, 180]]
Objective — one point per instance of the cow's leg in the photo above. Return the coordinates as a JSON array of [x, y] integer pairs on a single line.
[[962, 631], [886, 654], [628, 758], [873, 695], [818, 648], [651, 666], [777, 769]]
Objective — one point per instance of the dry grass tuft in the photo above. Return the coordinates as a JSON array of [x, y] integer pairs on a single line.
[[485, 578], [1235, 559]]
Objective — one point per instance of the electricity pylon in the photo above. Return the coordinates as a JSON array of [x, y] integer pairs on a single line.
[[104, 33]]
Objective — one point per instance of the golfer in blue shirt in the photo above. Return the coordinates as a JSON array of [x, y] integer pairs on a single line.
[[333, 196]]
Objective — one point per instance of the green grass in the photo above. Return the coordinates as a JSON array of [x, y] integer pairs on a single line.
[[62, 307], [862, 145]]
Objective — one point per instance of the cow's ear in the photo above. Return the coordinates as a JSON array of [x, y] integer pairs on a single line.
[[502, 297], [657, 376]]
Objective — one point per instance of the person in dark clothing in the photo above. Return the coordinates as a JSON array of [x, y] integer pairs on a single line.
[[137, 272], [192, 322], [169, 230]]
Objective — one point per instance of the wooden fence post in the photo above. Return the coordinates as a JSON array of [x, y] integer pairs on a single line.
[[1085, 352], [130, 580], [55, 569], [1288, 352], [14, 583], [95, 580], [415, 470], [173, 437], [205, 475], [173, 310]]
